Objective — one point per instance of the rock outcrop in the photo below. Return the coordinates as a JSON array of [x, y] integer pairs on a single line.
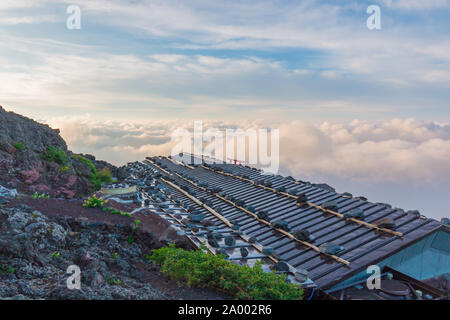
[[36, 250], [24, 163], [39, 243]]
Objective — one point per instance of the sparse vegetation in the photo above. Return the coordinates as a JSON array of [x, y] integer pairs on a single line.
[[112, 211], [40, 196], [4, 269], [57, 155], [64, 168], [202, 269], [113, 281], [96, 178], [18, 145], [136, 225], [84, 160], [95, 202], [126, 214], [56, 254]]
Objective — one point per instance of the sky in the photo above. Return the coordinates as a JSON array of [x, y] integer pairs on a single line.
[[366, 111]]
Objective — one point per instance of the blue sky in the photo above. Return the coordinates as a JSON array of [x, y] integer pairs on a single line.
[[296, 56], [371, 105]]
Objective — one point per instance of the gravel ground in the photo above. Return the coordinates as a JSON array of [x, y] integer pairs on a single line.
[[40, 238]]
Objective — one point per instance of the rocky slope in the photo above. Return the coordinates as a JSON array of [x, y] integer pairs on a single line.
[[36, 248], [24, 146], [40, 237]]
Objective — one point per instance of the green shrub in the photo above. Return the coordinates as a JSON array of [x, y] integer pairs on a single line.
[[96, 178], [64, 168], [40, 196], [55, 155], [99, 177], [105, 175], [136, 226], [126, 214], [114, 211], [85, 161], [7, 270], [19, 146], [202, 269], [112, 281], [94, 202], [137, 223]]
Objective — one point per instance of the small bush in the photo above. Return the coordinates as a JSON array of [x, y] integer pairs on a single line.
[[99, 177], [94, 202], [19, 146], [96, 178], [64, 168], [137, 223], [114, 211], [202, 269], [55, 155], [105, 176], [126, 214], [40, 196], [85, 161], [7, 270], [112, 281]]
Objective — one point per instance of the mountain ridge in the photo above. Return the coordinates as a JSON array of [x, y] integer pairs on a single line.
[[35, 158]]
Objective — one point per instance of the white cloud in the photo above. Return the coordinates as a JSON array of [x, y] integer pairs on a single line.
[[416, 4], [401, 161], [59, 74], [386, 55], [399, 150], [407, 151], [12, 21], [194, 84]]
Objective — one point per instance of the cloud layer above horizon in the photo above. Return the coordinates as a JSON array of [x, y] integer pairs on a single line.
[[406, 150], [409, 156]]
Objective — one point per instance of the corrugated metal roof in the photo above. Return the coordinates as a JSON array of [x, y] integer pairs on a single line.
[[362, 245]]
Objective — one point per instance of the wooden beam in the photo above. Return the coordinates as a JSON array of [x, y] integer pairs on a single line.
[[337, 214], [311, 246]]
